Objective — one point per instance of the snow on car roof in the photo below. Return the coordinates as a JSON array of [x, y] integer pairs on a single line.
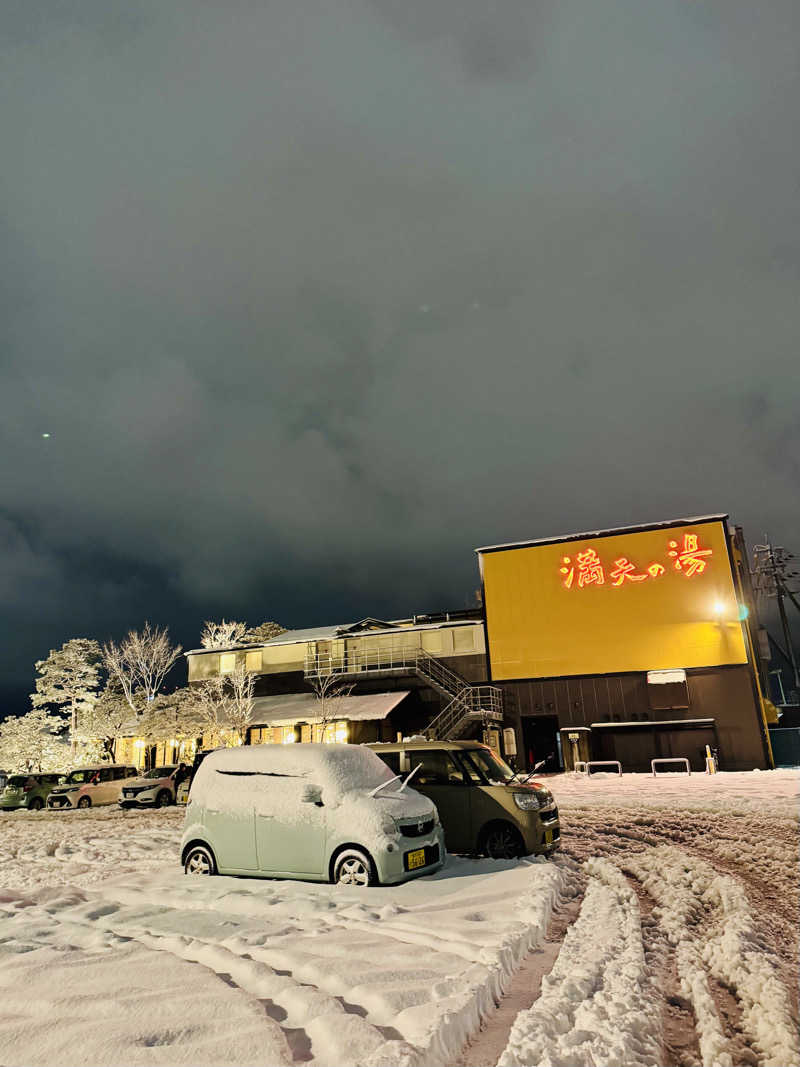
[[337, 766]]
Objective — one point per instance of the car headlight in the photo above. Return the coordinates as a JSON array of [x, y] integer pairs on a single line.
[[526, 801]]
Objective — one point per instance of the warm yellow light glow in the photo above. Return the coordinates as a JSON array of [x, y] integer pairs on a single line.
[[138, 743], [719, 608], [615, 603]]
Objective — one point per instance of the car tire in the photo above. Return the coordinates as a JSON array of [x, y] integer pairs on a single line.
[[163, 798], [36, 804], [501, 841], [199, 860], [354, 867], [85, 802]]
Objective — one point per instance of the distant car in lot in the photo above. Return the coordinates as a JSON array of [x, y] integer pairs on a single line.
[[27, 791], [3, 779], [315, 811], [484, 806], [87, 787], [156, 788]]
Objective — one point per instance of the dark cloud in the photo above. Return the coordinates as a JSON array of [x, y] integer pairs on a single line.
[[312, 303]]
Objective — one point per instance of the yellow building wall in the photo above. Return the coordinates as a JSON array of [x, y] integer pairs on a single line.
[[646, 600]]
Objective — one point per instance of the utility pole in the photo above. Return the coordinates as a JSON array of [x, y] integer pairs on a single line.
[[772, 578]]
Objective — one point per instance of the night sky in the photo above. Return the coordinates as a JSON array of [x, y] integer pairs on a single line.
[[313, 299]]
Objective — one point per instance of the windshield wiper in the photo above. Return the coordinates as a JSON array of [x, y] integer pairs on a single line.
[[374, 792]]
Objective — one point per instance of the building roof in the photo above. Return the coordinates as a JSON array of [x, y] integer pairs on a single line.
[[665, 525], [291, 708], [354, 629]]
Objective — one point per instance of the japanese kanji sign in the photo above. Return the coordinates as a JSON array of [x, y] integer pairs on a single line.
[[586, 568], [635, 600]]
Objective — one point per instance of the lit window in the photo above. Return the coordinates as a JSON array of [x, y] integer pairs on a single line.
[[253, 661], [335, 733], [288, 735], [227, 663]]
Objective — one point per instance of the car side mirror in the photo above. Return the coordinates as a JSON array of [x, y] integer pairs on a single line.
[[311, 794]]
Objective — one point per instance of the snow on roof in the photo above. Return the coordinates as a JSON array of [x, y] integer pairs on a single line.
[[304, 707], [364, 628], [649, 722], [665, 525]]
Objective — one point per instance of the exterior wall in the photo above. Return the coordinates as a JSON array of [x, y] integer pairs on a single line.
[[724, 694]]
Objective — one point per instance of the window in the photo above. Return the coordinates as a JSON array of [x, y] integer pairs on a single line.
[[432, 642], [108, 774], [131, 772], [252, 661], [227, 662], [391, 759], [463, 639], [436, 768]]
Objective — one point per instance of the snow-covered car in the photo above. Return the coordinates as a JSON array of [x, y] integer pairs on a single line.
[[315, 811], [86, 787], [27, 791], [155, 788]]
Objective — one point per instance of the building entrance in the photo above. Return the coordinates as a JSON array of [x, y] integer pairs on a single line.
[[540, 737]]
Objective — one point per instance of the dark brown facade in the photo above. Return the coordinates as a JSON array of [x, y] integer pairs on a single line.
[[723, 695]]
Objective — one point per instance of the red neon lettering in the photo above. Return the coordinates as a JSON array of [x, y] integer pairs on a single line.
[[624, 572], [655, 570], [590, 569], [689, 559], [569, 571]]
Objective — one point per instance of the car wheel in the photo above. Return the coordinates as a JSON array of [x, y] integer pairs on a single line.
[[353, 867], [36, 804], [163, 798], [199, 860], [85, 802], [502, 842]]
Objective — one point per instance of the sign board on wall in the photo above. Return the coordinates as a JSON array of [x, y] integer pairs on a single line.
[[644, 599]]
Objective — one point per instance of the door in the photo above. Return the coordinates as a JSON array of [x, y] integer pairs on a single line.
[[444, 782], [290, 832]]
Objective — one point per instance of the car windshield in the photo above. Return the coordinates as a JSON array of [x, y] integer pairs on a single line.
[[159, 772], [75, 777], [494, 770]]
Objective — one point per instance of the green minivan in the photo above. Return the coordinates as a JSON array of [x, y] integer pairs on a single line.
[[27, 791], [483, 805]]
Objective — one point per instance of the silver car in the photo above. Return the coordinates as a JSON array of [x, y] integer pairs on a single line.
[[321, 812]]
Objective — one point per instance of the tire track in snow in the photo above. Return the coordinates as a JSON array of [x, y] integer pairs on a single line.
[[596, 1004], [486, 1046], [707, 917]]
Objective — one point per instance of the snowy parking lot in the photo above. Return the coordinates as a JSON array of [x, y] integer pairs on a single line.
[[665, 932]]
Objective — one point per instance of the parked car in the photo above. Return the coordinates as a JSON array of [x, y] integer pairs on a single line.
[[3, 779], [87, 787], [315, 811], [484, 806], [27, 791], [155, 788]]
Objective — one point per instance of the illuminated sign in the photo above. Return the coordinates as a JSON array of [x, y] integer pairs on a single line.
[[689, 560], [641, 600]]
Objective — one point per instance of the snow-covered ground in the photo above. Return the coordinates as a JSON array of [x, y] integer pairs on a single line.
[[666, 933]]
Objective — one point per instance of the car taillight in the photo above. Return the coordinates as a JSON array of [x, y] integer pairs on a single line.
[[27, 788]]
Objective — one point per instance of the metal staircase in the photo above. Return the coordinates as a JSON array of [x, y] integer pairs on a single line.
[[465, 703]]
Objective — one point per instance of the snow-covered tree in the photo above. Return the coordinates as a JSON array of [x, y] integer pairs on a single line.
[[34, 742], [331, 693], [225, 705], [222, 634], [67, 682], [239, 710], [210, 698], [265, 631], [140, 663], [173, 716], [109, 719]]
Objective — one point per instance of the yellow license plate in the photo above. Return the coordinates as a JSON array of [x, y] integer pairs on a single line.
[[548, 837], [416, 859]]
